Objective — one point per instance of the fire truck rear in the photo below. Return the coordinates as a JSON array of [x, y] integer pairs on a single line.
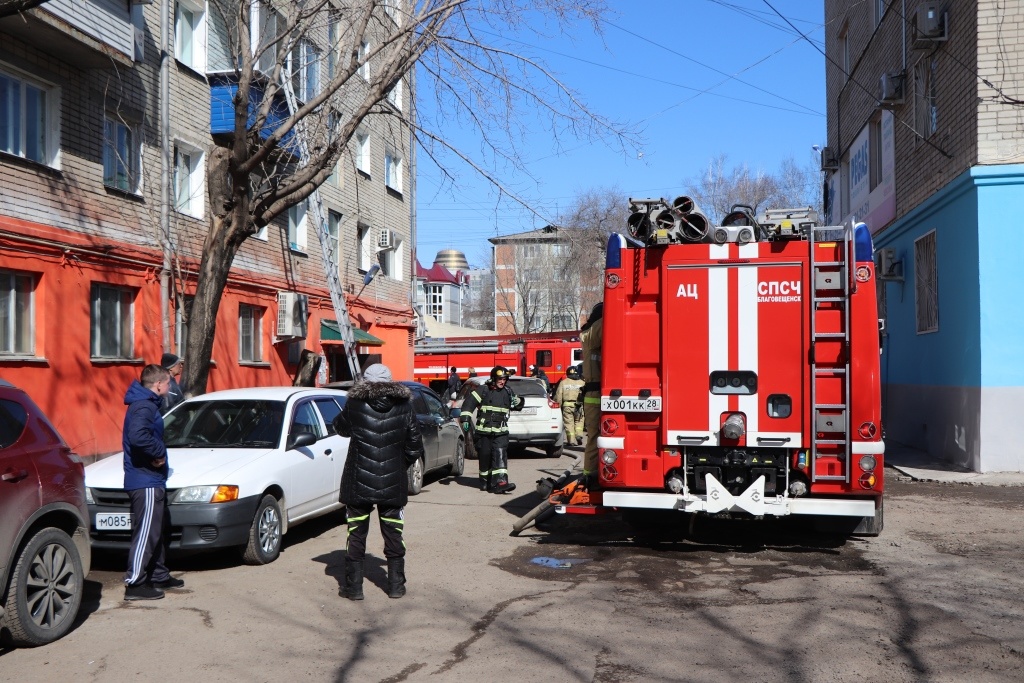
[[740, 370]]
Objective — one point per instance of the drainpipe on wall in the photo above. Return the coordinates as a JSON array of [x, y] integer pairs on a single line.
[[412, 202], [165, 166]]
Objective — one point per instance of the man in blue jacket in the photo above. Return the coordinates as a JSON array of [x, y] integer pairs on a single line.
[[145, 482]]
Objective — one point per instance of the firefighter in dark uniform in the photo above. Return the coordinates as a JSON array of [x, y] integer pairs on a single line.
[[492, 402]]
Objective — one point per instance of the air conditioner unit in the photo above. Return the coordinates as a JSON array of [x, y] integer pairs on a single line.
[[292, 311], [890, 89], [930, 25], [829, 162], [386, 239], [889, 268]]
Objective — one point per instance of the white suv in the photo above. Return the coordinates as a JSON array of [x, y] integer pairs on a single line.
[[539, 423]]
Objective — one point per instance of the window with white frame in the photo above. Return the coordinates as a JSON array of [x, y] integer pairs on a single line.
[[390, 260], [435, 301], [112, 321], [304, 67], [333, 235], [926, 111], [28, 116], [190, 34], [297, 226], [395, 95], [364, 60], [272, 25], [363, 152], [333, 44], [926, 284], [250, 333], [391, 7], [189, 180], [560, 250], [393, 170], [17, 315], [531, 250], [120, 154], [367, 244]]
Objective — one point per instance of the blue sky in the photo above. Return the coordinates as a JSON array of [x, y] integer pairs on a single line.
[[664, 67]]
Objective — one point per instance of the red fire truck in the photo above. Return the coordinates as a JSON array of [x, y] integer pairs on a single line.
[[553, 352], [740, 368]]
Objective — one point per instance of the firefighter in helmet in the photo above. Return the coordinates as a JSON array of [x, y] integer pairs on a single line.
[[492, 402], [590, 339], [567, 395]]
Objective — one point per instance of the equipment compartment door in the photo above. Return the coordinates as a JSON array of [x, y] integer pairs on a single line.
[[734, 336]]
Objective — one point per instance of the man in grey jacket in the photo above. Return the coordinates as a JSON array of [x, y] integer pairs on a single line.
[[384, 440]]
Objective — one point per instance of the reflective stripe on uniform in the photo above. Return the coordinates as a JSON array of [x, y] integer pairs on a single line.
[[592, 400]]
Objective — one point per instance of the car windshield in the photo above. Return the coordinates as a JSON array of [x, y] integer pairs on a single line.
[[527, 387], [225, 424]]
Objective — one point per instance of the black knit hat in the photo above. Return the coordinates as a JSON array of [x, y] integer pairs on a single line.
[[169, 360]]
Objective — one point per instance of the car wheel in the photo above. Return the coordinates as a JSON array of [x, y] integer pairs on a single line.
[[46, 589], [555, 450], [265, 535], [416, 476], [459, 463]]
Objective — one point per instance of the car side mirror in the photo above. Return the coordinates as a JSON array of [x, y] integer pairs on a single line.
[[301, 439]]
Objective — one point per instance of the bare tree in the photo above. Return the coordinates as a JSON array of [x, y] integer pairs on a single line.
[[592, 217], [372, 47], [12, 7], [716, 190]]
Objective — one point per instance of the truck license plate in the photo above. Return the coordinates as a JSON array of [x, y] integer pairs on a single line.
[[113, 521], [631, 404]]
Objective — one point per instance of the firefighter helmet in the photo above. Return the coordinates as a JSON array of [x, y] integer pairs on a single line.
[[572, 373], [498, 372]]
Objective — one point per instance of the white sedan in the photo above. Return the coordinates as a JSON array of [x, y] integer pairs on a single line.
[[245, 465]]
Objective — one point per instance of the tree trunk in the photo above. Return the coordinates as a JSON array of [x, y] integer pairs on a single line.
[[309, 365]]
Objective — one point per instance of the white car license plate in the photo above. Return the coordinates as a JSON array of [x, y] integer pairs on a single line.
[[113, 521], [528, 411], [631, 404]]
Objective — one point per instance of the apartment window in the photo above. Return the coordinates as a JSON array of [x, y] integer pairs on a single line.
[[363, 153], [190, 34], [272, 24], [250, 333], [926, 112], [926, 284], [17, 316], [393, 170], [304, 67], [112, 321], [875, 151], [880, 7], [364, 60], [367, 244], [27, 112], [560, 250], [844, 51], [435, 301], [297, 227], [184, 314], [189, 180], [391, 7], [395, 96], [333, 32], [531, 250], [390, 260], [333, 235], [120, 155]]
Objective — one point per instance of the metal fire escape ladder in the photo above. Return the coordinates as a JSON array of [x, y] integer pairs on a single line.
[[830, 289], [327, 250]]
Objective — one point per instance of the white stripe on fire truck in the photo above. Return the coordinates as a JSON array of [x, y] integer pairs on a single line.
[[748, 334], [718, 333]]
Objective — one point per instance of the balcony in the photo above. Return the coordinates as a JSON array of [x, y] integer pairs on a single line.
[[223, 87], [85, 33]]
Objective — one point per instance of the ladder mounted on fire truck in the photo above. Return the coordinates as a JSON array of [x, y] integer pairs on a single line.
[[830, 290], [328, 253]]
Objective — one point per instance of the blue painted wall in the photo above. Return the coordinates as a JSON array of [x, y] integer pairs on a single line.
[[1001, 245], [950, 356], [222, 113]]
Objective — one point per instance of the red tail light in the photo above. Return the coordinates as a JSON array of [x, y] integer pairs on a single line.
[[551, 403]]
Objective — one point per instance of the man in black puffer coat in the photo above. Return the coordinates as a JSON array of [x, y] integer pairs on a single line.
[[385, 440]]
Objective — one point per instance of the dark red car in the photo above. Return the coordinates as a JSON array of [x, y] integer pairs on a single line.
[[44, 532]]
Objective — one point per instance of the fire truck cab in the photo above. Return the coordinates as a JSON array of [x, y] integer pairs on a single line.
[[740, 367]]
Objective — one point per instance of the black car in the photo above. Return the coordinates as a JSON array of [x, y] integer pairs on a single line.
[[444, 444]]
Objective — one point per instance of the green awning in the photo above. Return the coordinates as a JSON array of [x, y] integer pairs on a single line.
[[329, 332]]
